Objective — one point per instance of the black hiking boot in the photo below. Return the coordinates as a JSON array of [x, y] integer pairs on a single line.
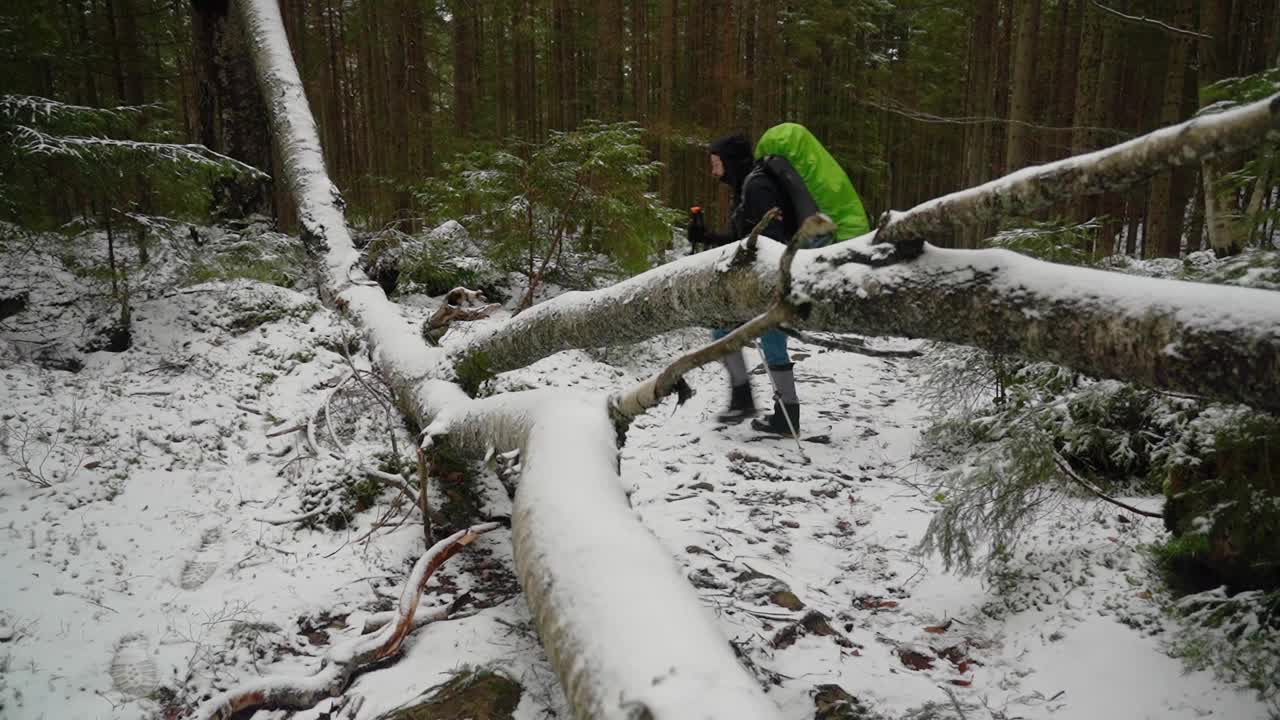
[[776, 423], [741, 405]]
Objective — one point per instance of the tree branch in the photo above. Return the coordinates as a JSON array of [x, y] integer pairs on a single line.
[[1151, 22], [1114, 168], [1066, 470], [922, 116], [342, 662]]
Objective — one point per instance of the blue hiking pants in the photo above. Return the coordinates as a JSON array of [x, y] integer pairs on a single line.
[[774, 343]]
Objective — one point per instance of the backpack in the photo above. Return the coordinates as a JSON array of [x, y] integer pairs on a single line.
[[812, 178]]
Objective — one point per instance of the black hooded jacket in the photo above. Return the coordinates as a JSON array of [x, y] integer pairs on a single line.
[[754, 192]]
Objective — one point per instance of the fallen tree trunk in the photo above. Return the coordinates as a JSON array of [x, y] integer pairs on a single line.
[[1114, 168], [625, 633], [1215, 341]]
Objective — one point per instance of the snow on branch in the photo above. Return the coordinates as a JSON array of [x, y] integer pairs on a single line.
[[1110, 169], [36, 142], [14, 107], [343, 661]]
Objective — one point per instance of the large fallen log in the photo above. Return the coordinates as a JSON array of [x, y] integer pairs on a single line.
[[625, 633], [1215, 341]]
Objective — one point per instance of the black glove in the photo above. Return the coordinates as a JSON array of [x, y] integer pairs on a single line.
[[697, 234]]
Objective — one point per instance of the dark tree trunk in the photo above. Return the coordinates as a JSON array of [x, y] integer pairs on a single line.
[[1022, 91], [230, 116]]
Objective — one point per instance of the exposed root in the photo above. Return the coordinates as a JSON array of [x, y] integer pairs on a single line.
[[342, 662]]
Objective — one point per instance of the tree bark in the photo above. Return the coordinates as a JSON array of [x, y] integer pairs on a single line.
[[231, 117], [1220, 211], [641, 69], [1087, 111], [1164, 221], [1021, 112], [464, 58], [980, 100]]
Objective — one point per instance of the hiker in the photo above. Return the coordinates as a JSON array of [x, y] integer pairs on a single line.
[[786, 160], [754, 193]]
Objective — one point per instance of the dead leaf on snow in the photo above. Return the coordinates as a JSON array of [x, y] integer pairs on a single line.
[[915, 660]]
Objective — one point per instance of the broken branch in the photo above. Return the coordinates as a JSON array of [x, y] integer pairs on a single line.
[[342, 662], [649, 393]]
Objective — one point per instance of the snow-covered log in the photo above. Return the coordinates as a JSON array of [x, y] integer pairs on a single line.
[[1114, 168], [1220, 342], [625, 632]]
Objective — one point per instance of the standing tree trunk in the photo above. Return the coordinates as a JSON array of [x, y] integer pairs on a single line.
[[1022, 91], [666, 93], [462, 30], [1164, 219], [1220, 212], [230, 115], [1088, 106], [609, 48], [980, 100], [640, 62]]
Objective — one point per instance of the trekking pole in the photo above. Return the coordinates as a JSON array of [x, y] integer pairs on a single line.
[[777, 398]]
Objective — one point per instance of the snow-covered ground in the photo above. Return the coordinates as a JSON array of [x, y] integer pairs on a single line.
[[149, 572]]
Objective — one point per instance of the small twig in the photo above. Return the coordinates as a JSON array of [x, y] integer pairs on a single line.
[[288, 430], [395, 481], [1065, 468], [246, 408], [328, 416], [327, 507], [427, 531], [164, 366], [955, 702], [852, 346], [1144, 20]]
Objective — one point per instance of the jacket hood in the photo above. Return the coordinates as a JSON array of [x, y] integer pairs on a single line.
[[735, 152]]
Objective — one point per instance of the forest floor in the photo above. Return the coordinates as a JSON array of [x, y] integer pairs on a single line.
[[145, 562]]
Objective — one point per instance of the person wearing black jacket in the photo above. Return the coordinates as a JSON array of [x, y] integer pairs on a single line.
[[755, 191]]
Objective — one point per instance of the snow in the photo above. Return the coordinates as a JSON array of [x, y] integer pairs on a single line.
[[143, 570]]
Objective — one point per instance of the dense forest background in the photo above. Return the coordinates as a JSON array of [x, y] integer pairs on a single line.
[[915, 97]]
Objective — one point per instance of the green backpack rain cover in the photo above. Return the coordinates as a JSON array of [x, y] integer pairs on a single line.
[[823, 176]]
